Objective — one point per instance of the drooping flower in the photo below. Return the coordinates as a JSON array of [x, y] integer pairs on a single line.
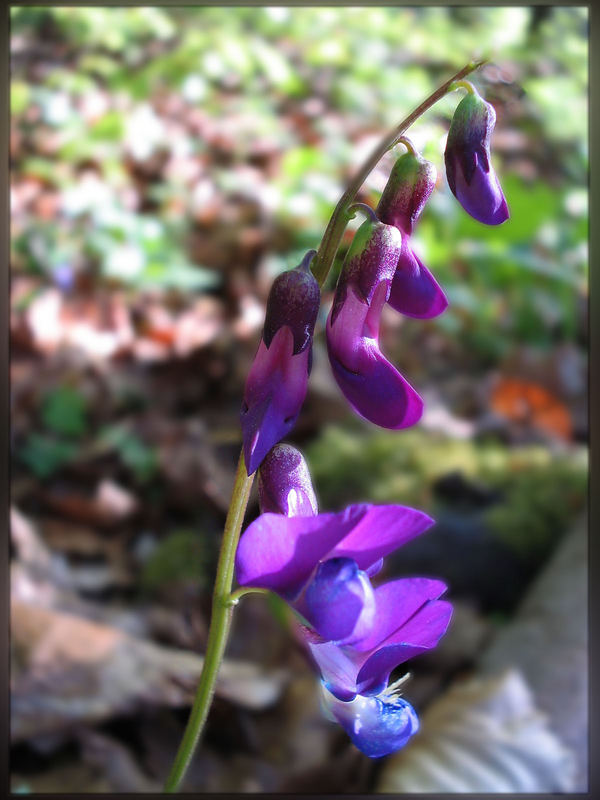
[[277, 382], [409, 620], [372, 386], [321, 565], [469, 170], [414, 290]]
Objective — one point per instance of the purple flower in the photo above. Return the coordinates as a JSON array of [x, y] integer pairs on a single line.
[[278, 379], [409, 620], [468, 167], [372, 386], [414, 290], [322, 564]]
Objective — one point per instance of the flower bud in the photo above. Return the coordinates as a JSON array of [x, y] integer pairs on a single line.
[[414, 290], [278, 379], [284, 484], [470, 174], [411, 182]]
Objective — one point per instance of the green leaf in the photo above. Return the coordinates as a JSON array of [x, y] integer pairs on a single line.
[[64, 411], [44, 455]]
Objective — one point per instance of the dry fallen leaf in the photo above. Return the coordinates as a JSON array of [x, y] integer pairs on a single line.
[[483, 735], [67, 670]]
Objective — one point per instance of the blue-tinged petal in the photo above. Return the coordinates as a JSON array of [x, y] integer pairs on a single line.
[[418, 635], [339, 601], [279, 553], [415, 292], [338, 665], [377, 726]]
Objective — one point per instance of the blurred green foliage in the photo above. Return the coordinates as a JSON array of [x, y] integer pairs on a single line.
[[540, 490], [64, 411], [263, 68], [180, 557]]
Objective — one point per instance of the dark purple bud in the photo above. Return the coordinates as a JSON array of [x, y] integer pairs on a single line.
[[415, 292], [411, 182], [372, 386], [278, 379], [470, 174], [294, 301], [284, 484], [339, 601]]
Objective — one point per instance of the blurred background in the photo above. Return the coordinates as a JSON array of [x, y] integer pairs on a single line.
[[166, 165]]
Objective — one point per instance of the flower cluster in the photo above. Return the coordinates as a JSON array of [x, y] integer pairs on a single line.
[[322, 565], [380, 267]]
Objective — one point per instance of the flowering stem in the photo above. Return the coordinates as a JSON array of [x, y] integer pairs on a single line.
[[222, 611], [224, 600], [323, 261]]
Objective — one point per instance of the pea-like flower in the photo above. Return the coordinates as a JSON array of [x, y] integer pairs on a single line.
[[414, 290], [372, 386], [278, 379], [469, 170], [321, 564]]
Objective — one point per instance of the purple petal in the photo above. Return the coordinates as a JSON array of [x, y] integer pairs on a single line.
[[284, 484], [338, 667], [339, 602], [372, 386], [279, 553], [415, 292], [379, 532], [377, 726], [397, 602], [420, 634], [482, 197], [273, 396]]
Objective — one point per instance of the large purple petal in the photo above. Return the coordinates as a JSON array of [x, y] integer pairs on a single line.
[[279, 553], [380, 531], [372, 386], [420, 634], [415, 292]]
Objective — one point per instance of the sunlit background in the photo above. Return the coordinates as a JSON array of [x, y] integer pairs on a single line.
[[166, 165]]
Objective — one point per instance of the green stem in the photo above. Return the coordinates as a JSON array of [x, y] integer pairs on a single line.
[[234, 597], [323, 261], [222, 611]]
